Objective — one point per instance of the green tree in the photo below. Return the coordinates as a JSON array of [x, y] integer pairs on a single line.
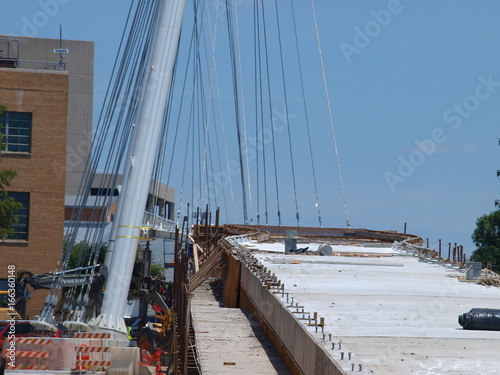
[[486, 236], [81, 253], [7, 204]]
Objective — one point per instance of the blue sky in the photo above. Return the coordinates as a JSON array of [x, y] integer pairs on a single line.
[[415, 93]]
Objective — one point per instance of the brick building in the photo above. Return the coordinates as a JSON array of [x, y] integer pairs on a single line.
[[48, 133], [34, 125]]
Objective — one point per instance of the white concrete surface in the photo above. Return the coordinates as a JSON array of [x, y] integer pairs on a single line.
[[397, 314]]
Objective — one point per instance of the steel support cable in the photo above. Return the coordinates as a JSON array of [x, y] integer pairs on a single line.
[[225, 145], [106, 126], [228, 167], [192, 148], [159, 165], [204, 138], [193, 138], [196, 112], [210, 92], [271, 112], [330, 114], [127, 125], [139, 46], [155, 186], [193, 106], [213, 36], [127, 82], [83, 192], [200, 102], [82, 196], [236, 105], [96, 239], [188, 137], [258, 64], [297, 215], [218, 180], [184, 169], [200, 123], [174, 143], [306, 115], [168, 114], [212, 171], [243, 114], [216, 177], [256, 74]]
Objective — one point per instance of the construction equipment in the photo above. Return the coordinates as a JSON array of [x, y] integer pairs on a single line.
[[95, 276], [157, 293]]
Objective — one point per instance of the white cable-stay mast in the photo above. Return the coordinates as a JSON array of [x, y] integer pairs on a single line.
[[141, 154]]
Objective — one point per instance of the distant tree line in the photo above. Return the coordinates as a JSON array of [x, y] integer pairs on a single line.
[[486, 236]]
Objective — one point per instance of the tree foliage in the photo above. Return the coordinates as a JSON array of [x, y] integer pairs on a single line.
[[486, 236], [7, 204], [82, 251]]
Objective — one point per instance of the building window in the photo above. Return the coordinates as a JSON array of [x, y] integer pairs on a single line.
[[22, 214], [104, 192], [16, 128]]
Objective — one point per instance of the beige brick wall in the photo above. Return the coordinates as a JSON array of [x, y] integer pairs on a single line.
[[45, 95]]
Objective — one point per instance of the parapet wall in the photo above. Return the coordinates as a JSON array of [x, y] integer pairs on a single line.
[[303, 353]]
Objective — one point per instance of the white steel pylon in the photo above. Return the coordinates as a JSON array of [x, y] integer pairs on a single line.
[[141, 154]]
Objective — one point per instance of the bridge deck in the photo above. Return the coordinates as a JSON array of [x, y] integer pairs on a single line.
[[229, 340]]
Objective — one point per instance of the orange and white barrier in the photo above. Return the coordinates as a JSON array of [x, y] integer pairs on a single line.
[[93, 363], [92, 349], [33, 340], [80, 357], [28, 367], [92, 335], [90, 354], [31, 354]]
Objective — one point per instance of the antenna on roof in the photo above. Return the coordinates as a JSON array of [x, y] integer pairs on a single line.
[[61, 50]]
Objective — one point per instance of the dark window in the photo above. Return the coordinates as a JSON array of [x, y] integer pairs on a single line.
[[16, 128], [104, 192], [21, 227]]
